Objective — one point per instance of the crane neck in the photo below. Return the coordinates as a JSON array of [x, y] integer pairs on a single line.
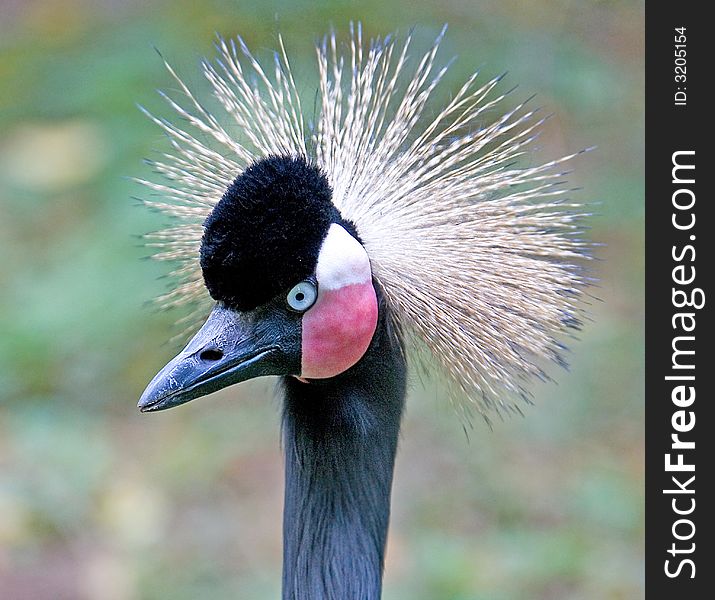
[[340, 438]]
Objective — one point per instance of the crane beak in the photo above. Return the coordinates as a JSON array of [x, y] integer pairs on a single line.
[[229, 348]]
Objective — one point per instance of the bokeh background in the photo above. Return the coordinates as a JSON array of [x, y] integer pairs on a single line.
[[98, 502]]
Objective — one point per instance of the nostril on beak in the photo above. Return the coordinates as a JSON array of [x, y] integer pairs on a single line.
[[211, 355]]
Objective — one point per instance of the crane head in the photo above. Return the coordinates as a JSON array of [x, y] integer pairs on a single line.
[[476, 247], [292, 284]]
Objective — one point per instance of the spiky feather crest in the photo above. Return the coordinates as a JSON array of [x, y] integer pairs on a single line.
[[479, 258]]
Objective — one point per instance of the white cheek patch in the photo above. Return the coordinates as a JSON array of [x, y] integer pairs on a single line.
[[342, 260]]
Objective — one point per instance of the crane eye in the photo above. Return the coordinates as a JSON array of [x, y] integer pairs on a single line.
[[302, 296]]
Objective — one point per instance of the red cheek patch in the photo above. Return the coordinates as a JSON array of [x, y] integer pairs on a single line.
[[337, 330]]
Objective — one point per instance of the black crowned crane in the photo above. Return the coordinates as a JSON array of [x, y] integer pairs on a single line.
[[334, 253]]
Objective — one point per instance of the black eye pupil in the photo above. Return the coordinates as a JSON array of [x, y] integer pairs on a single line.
[[300, 296]]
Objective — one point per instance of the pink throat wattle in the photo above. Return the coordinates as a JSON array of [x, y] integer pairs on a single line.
[[337, 330]]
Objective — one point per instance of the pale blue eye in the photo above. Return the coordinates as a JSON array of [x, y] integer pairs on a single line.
[[302, 296]]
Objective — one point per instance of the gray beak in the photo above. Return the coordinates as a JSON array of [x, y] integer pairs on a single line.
[[229, 348]]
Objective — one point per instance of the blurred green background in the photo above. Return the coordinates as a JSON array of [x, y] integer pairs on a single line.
[[99, 502]]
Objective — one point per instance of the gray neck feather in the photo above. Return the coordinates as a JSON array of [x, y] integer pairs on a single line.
[[340, 438]]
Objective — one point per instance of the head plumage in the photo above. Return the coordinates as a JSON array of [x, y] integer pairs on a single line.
[[264, 234], [479, 258]]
